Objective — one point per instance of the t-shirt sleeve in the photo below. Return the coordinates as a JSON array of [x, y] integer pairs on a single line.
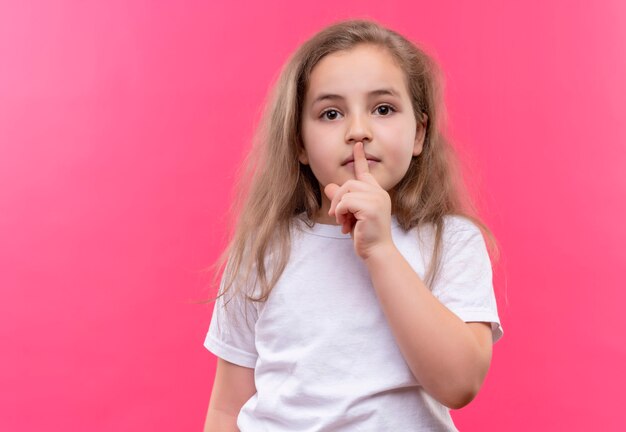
[[232, 329], [465, 283]]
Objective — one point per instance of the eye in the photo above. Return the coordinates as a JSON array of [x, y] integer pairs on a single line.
[[330, 111], [386, 109]]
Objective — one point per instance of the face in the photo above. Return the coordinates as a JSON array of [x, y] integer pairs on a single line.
[[343, 105]]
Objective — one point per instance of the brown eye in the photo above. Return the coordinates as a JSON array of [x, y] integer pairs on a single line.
[[332, 111], [385, 109]]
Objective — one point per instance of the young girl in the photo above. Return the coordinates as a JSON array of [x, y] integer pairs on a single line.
[[357, 293]]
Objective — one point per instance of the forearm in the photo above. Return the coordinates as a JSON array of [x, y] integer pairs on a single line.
[[438, 346], [220, 421]]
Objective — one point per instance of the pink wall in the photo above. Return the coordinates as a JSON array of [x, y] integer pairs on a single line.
[[121, 127]]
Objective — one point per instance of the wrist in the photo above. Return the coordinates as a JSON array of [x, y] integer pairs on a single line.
[[380, 253]]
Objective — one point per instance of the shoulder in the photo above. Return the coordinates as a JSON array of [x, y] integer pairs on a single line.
[[459, 229], [454, 228], [460, 235], [459, 223]]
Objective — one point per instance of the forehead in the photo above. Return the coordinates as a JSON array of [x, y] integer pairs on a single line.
[[355, 72]]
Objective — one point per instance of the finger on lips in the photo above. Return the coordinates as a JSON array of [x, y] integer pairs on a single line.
[[360, 161], [360, 167]]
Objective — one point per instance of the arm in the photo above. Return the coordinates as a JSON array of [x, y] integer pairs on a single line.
[[447, 356], [232, 387], [450, 358]]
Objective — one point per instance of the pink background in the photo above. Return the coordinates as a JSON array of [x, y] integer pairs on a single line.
[[122, 124]]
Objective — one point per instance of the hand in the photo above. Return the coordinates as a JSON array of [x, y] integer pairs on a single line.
[[362, 207]]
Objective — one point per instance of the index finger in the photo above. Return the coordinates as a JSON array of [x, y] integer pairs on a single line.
[[360, 161]]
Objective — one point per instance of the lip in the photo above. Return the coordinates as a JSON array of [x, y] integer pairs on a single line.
[[369, 157], [370, 163]]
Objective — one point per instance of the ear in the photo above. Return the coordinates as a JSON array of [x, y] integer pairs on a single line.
[[302, 155], [420, 135]]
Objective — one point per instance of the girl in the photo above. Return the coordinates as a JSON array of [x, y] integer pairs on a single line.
[[357, 293]]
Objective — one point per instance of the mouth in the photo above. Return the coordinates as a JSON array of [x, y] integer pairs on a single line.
[[369, 158]]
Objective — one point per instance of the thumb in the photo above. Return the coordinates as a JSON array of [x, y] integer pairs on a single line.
[[330, 190]]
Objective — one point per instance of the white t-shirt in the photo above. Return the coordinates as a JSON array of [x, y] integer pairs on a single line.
[[324, 356]]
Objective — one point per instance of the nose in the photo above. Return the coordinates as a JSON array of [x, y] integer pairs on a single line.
[[358, 130]]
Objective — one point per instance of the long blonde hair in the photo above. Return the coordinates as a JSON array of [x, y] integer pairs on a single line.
[[275, 187]]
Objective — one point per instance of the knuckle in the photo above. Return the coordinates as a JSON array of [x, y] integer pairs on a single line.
[[352, 183]]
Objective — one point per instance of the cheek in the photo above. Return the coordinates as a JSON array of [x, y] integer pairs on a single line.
[[318, 145], [315, 136], [399, 143], [311, 137]]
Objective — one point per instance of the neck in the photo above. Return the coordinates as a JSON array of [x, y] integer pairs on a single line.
[[322, 214]]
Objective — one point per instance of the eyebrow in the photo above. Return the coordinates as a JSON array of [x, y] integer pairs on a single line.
[[379, 92]]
